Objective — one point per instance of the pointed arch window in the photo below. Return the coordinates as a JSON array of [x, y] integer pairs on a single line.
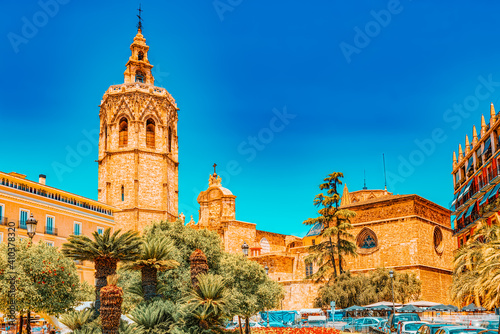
[[367, 241], [123, 193], [140, 77], [150, 133], [123, 132], [169, 139], [140, 55]]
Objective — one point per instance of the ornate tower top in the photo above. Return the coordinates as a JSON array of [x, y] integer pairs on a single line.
[[138, 66]]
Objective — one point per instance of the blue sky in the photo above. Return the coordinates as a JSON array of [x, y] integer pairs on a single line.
[[278, 94]]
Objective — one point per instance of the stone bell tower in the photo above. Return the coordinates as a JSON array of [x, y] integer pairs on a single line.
[[138, 151]]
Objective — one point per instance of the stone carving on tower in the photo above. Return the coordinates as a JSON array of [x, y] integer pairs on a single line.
[[138, 147]]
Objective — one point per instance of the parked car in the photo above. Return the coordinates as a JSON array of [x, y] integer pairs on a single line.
[[362, 324], [382, 325], [432, 328], [489, 331], [489, 324], [459, 330], [397, 318], [411, 327]]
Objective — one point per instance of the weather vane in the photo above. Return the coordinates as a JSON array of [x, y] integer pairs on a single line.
[[139, 25]]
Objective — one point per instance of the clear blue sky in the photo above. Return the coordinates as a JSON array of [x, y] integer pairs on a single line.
[[356, 80]]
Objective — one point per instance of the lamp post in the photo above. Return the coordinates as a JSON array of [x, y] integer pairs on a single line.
[[391, 273], [31, 230], [266, 268], [245, 247]]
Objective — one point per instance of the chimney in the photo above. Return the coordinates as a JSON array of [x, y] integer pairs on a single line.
[[41, 179]]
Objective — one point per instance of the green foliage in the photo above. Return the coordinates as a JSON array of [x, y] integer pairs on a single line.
[[348, 289], [336, 241], [156, 317], [123, 247], [476, 270], [46, 281], [209, 302], [86, 292], [75, 320], [252, 290]]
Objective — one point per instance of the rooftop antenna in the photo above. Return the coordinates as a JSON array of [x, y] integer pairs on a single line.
[[364, 188], [139, 25], [385, 175]]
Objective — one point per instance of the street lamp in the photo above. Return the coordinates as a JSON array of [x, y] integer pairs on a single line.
[[266, 268], [391, 273], [245, 247], [31, 226], [31, 229]]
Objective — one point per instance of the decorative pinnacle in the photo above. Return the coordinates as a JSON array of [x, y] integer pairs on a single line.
[[460, 153], [467, 145], [492, 113], [474, 135], [483, 126], [454, 157]]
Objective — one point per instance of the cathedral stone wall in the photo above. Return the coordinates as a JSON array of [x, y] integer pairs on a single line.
[[299, 294], [236, 233]]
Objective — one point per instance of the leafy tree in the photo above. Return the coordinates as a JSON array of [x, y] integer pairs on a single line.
[[251, 289], [86, 293], [335, 237], [156, 255], [46, 281], [359, 289], [105, 251]]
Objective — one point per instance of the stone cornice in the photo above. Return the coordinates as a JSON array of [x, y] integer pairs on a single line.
[[381, 221]]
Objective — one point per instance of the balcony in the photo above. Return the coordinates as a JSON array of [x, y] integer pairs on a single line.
[[50, 231]]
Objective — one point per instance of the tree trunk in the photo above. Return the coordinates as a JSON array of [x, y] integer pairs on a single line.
[[247, 325], [149, 282], [111, 309], [340, 257], [20, 323], [103, 268], [332, 256], [239, 321], [28, 322]]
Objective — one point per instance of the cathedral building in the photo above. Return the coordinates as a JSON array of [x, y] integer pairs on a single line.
[[406, 233], [138, 146], [476, 177]]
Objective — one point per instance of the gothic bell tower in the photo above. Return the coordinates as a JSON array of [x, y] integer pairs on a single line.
[[138, 151]]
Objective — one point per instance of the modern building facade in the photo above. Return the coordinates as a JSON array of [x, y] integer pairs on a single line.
[[138, 161], [59, 214], [476, 179]]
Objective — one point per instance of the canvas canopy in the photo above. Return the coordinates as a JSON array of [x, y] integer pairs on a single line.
[[279, 316]]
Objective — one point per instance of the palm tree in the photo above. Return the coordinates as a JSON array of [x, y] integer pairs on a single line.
[[105, 251], [157, 316], [111, 309], [476, 269], [199, 265], [209, 301], [75, 320], [156, 255]]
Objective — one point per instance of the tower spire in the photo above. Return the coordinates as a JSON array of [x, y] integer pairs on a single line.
[[492, 114], [139, 24]]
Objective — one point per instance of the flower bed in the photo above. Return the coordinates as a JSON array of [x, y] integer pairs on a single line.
[[305, 330]]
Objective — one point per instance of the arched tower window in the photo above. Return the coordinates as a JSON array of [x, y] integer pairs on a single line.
[[123, 193], [140, 56], [438, 240], [139, 77], [366, 241], [123, 133], [150, 133], [105, 137], [266, 248], [169, 139]]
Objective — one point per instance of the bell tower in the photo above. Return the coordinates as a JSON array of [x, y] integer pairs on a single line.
[[138, 148]]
